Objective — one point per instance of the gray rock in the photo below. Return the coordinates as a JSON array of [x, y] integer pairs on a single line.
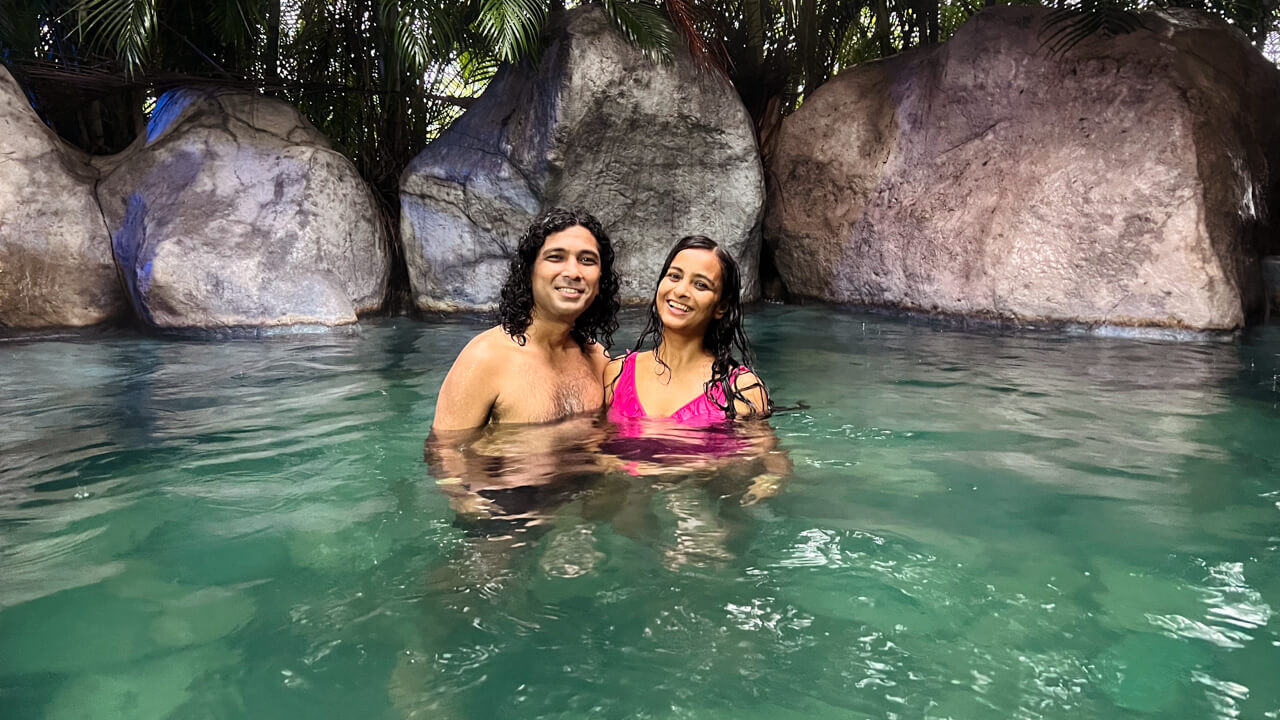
[[1122, 184], [1271, 279], [55, 254], [233, 211], [655, 152]]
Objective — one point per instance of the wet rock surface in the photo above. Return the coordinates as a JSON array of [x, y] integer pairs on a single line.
[[233, 211], [1123, 183], [655, 152], [55, 255]]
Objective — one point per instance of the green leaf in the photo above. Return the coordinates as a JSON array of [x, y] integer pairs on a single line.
[[645, 26], [513, 27], [122, 27], [425, 31]]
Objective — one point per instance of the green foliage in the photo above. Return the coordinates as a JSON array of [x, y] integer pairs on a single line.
[[512, 27], [383, 77], [644, 26], [122, 27]]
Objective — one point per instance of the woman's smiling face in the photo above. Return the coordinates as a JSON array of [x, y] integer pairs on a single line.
[[688, 296]]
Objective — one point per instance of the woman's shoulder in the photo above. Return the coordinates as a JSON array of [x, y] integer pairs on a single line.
[[630, 356], [614, 367], [748, 387]]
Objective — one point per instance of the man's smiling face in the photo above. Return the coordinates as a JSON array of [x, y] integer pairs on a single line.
[[566, 274]]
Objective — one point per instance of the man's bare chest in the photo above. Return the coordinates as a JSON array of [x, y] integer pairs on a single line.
[[537, 391]]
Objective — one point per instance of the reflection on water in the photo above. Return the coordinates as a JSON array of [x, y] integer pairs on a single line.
[[506, 482], [956, 525]]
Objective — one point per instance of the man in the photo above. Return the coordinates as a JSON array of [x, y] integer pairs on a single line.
[[558, 312]]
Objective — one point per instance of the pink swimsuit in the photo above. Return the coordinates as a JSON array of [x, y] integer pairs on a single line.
[[699, 411]]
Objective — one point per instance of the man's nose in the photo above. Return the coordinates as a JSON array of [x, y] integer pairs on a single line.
[[573, 268]]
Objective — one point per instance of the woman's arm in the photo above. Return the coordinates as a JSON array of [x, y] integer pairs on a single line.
[[750, 398], [609, 376]]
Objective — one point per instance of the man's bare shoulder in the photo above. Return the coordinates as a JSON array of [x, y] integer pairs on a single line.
[[492, 345], [472, 386]]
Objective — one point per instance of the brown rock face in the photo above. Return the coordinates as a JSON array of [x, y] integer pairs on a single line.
[[1122, 184], [233, 211], [55, 254]]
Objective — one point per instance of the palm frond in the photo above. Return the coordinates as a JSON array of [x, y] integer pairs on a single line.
[[238, 23], [425, 31], [644, 26], [512, 27], [124, 28], [476, 68], [706, 50], [7, 27]]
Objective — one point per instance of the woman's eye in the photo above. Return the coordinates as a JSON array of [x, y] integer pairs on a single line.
[[673, 276], [702, 286]]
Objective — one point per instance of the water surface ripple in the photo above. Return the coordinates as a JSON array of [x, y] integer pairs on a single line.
[[976, 525]]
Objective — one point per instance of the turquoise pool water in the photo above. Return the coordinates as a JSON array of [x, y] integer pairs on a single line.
[[978, 525]]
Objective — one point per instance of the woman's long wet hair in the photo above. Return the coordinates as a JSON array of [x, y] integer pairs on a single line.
[[515, 310], [725, 338]]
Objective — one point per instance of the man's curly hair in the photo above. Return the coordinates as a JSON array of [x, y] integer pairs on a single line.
[[598, 323]]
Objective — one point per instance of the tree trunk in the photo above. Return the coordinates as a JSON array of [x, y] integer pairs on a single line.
[[271, 55], [882, 28]]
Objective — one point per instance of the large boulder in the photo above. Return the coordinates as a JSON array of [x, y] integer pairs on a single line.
[[1123, 183], [234, 211], [655, 152], [55, 253]]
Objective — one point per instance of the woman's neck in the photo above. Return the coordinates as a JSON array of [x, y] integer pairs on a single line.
[[680, 351]]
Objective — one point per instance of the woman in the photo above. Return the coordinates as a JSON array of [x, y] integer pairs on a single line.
[[690, 375]]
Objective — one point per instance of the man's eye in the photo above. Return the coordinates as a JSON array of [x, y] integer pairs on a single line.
[[588, 261], [553, 258]]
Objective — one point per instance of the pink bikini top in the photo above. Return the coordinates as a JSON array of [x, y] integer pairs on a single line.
[[700, 411]]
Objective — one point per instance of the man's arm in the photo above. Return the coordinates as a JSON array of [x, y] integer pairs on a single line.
[[469, 390]]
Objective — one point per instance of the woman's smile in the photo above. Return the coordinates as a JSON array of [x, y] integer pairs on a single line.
[[689, 293]]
